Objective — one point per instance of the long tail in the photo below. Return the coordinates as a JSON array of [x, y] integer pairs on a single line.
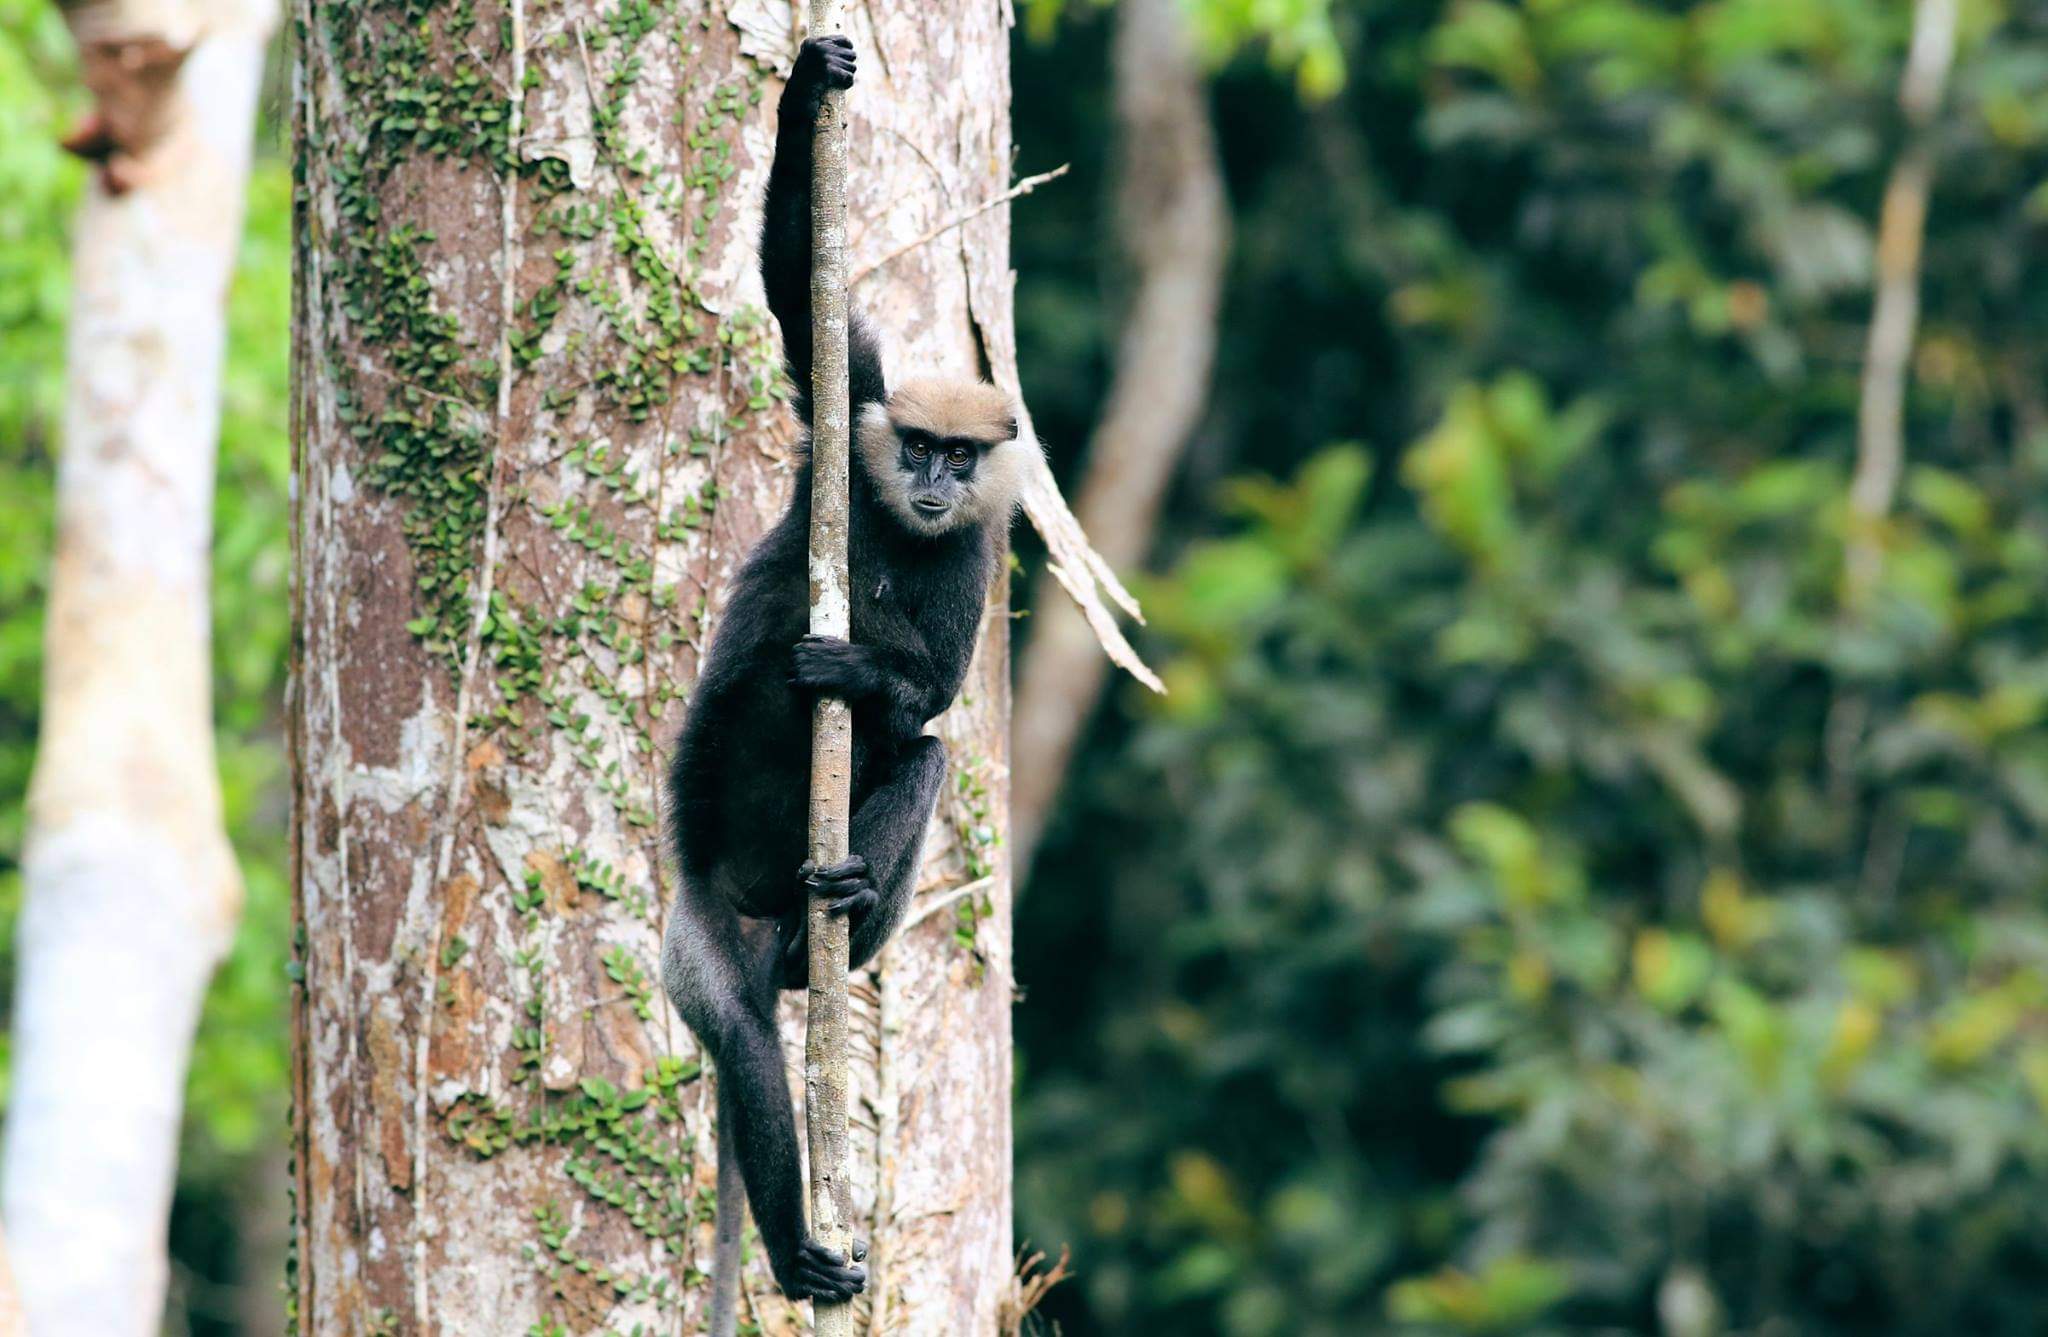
[[731, 1222]]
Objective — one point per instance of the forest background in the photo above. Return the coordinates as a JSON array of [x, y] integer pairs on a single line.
[[1559, 893]]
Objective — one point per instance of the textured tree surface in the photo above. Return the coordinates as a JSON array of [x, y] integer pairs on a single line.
[[513, 540]]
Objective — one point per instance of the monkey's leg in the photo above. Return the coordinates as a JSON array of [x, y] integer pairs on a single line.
[[720, 973], [874, 884], [889, 829], [754, 1087]]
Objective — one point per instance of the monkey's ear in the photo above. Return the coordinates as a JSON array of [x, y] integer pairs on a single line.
[[1009, 427]]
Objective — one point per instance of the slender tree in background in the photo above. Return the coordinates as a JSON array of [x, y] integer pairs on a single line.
[[1901, 229], [1175, 228], [131, 890], [539, 419]]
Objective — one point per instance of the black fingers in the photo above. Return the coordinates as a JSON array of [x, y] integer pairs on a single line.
[[824, 1274], [845, 887], [857, 903], [827, 60], [832, 667], [822, 656], [852, 868]]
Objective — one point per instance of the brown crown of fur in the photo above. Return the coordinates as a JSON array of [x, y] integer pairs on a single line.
[[954, 408], [949, 410]]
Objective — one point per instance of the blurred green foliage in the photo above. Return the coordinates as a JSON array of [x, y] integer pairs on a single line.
[[235, 1105], [1547, 902], [1297, 35]]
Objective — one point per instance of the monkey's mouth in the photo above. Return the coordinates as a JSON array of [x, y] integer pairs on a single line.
[[932, 506]]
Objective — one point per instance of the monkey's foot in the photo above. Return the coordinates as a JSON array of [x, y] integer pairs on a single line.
[[845, 887], [825, 1274]]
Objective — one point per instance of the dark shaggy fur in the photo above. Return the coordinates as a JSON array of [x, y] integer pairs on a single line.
[[932, 494]]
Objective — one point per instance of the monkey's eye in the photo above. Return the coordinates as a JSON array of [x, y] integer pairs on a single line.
[[919, 451], [957, 457]]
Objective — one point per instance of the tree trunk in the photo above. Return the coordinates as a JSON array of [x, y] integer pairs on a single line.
[[1174, 226], [13, 1323], [504, 582], [131, 889]]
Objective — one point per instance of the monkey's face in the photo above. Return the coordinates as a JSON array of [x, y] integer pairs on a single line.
[[943, 454], [938, 474]]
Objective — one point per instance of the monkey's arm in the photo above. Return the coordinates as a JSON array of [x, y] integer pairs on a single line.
[[908, 671], [874, 885], [822, 63], [904, 681]]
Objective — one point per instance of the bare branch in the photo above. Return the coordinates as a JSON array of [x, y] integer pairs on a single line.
[[1024, 187], [473, 639], [943, 900]]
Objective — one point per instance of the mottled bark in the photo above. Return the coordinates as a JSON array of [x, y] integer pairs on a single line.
[[1174, 226], [131, 891], [499, 1122]]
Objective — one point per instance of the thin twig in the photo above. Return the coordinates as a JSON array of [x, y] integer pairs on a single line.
[[1024, 187], [944, 899]]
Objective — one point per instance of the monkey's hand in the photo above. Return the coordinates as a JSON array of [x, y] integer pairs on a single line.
[[829, 666], [845, 887], [822, 63], [817, 1272]]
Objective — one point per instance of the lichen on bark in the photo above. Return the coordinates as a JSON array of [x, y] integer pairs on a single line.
[[496, 1112]]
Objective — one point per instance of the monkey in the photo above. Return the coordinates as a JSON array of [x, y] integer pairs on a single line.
[[934, 477]]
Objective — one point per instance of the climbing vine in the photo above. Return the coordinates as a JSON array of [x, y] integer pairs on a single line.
[[576, 654], [587, 439]]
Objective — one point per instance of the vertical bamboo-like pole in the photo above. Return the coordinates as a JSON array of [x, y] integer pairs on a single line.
[[832, 720]]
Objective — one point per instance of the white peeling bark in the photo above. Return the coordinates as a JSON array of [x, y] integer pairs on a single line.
[[1175, 229], [131, 889]]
